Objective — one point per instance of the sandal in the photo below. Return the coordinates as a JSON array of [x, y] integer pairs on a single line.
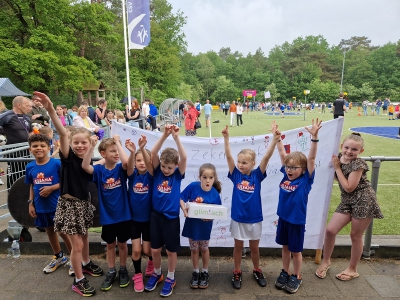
[[322, 274], [347, 277]]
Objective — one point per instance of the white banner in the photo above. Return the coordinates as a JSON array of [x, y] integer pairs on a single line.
[[267, 95], [211, 150]]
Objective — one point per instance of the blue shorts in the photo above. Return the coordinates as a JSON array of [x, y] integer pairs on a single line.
[[291, 235], [164, 231], [44, 219]]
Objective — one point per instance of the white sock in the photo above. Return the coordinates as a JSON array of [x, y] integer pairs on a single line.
[[171, 275], [77, 280], [157, 271], [196, 270], [204, 270]]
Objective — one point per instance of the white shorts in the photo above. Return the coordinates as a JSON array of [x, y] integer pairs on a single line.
[[245, 231]]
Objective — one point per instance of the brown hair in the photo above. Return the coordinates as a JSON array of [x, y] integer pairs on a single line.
[[135, 104], [77, 130], [140, 152], [355, 136], [169, 156], [105, 143], [45, 130], [39, 138], [207, 166], [298, 157], [190, 103]]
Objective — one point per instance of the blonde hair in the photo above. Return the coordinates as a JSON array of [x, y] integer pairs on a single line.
[[46, 130], [248, 152], [78, 130], [355, 136], [105, 143], [2, 106], [298, 157], [82, 107]]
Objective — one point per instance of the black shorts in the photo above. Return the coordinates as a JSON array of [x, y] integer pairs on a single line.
[[164, 231], [335, 116], [120, 231], [140, 230]]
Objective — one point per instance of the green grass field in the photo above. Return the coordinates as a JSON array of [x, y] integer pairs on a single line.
[[256, 123]]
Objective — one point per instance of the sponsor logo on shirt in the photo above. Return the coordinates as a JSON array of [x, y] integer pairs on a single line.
[[41, 179], [198, 200], [286, 185], [245, 186], [164, 187], [139, 188], [111, 183]]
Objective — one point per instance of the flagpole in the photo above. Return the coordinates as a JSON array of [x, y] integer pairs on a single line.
[[128, 81]]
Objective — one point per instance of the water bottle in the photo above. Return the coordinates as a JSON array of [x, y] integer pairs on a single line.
[[15, 249]]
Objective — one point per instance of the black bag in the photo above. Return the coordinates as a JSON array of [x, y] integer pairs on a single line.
[[197, 124]]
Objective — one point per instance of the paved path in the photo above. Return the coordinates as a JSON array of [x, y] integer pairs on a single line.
[[23, 278]]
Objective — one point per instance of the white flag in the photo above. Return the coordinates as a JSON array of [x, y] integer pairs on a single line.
[[267, 95]]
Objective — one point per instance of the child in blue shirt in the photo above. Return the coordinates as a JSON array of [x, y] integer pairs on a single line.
[[246, 211], [140, 183], [298, 176], [115, 214], [169, 170], [198, 230], [43, 177]]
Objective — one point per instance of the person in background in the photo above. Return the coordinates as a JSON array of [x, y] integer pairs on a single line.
[[65, 121], [73, 112], [191, 114], [339, 107], [133, 114], [82, 120], [239, 114], [91, 112], [232, 110], [38, 114], [207, 112], [3, 107], [101, 111], [146, 108]]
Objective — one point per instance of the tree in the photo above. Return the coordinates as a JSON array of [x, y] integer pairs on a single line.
[[205, 71], [225, 90], [273, 91]]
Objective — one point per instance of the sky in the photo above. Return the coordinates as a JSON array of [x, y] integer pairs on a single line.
[[246, 25]]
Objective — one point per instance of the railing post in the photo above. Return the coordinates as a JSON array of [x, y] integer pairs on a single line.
[[376, 164]]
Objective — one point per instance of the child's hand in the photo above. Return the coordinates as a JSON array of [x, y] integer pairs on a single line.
[[43, 99], [175, 131], [116, 138], [185, 211], [225, 132], [276, 134], [32, 211], [130, 146], [315, 126], [168, 129], [45, 191], [335, 162], [93, 141], [142, 141]]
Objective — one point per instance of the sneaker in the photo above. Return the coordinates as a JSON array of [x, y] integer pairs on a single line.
[[83, 288], [293, 284], [149, 268], [152, 282], [71, 271], [123, 278], [92, 269], [168, 287], [138, 283], [259, 277], [194, 283], [108, 281], [237, 279], [204, 278], [282, 280], [54, 264]]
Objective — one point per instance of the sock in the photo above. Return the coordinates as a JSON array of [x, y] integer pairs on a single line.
[[85, 263], [151, 258], [77, 280], [59, 254], [157, 271], [204, 270], [112, 270], [122, 268], [196, 270], [137, 265], [171, 275]]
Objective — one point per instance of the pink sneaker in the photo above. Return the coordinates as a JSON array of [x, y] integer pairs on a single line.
[[149, 268], [138, 283]]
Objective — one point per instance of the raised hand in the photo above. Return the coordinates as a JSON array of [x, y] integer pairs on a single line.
[[315, 127], [175, 131], [130, 146], [117, 138], [142, 141], [43, 99], [225, 132], [93, 141]]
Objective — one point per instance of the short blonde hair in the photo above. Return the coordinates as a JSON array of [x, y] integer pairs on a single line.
[[298, 157], [82, 107], [248, 152]]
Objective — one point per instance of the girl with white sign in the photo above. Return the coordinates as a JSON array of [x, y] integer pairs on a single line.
[[206, 191]]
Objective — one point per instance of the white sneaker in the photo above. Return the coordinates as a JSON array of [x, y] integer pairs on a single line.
[[71, 271], [54, 264]]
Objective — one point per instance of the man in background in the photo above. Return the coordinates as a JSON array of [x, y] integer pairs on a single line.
[[207, 112]]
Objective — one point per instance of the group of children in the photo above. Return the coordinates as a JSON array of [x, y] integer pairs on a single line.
[[146, 210]]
